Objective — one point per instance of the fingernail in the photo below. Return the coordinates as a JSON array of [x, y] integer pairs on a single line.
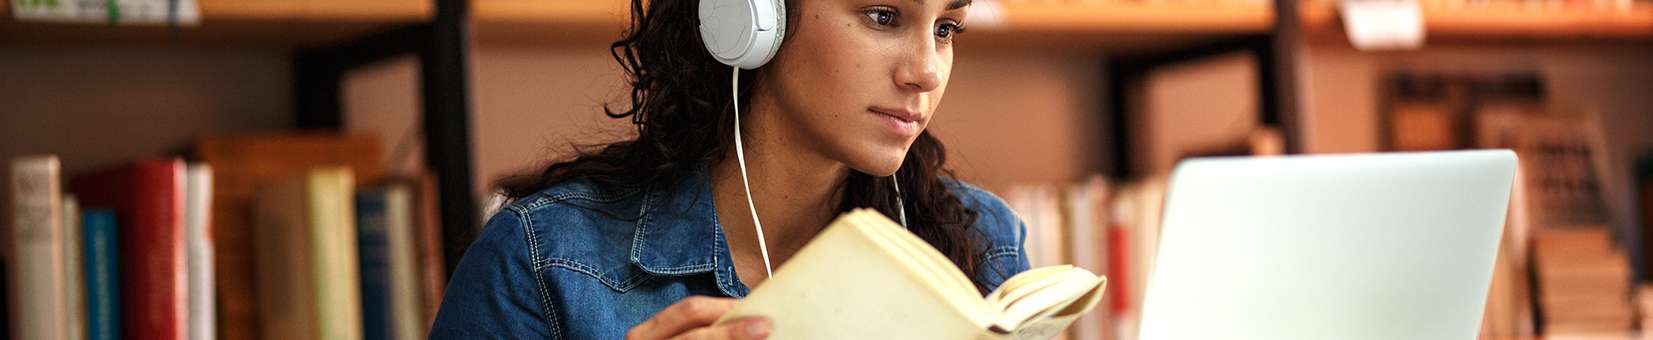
[[757, 329]]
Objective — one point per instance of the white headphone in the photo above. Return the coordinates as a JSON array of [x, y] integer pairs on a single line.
[[743, 33]]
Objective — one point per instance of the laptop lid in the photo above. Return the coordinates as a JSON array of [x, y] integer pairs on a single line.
[[1375, 246]]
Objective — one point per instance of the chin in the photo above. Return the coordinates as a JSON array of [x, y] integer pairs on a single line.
[[882, 164]]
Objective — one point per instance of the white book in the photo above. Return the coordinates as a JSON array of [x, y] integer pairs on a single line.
[[38, 279], [1087, 244], [1021, 201], [1052, 244], [75, 290], [199, 256]]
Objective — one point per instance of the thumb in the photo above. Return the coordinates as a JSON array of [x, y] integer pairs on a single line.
[[750, 328]]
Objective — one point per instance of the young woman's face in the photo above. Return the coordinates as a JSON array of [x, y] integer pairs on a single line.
[[859, 79]]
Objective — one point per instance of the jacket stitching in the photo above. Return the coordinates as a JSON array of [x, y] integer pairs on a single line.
[[539, 282]]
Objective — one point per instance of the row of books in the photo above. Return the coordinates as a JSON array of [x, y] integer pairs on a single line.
[[1561, 272], [254, 236], [1106, 227], [1567, 275]]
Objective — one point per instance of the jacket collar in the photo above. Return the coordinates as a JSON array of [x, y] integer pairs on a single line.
[[678, 233]]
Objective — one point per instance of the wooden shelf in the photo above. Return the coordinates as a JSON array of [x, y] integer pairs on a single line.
[[379, 11], [1110, 25], [1509, 21], [236, 22], [1116, 17]]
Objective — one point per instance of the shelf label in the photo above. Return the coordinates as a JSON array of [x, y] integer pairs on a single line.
[[1383, 24], [181, 12]]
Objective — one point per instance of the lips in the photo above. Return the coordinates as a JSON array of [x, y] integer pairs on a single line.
[[902, 123], [904, 115]]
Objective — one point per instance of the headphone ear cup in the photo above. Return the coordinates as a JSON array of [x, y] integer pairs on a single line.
[[780, 29], [743, 33]]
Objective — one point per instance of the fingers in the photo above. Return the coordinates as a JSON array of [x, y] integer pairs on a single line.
[[752, 328], [689, 313]]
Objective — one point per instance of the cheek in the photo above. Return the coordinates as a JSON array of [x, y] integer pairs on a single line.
[[946, 76], [830, 71]]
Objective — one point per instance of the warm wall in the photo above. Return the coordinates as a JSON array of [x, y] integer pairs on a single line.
[[1198, 107], [102, 106]]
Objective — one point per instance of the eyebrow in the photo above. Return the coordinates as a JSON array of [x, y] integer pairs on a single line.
[[955, 4]]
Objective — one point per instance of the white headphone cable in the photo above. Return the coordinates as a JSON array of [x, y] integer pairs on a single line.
[[900, 207], [740, 156]]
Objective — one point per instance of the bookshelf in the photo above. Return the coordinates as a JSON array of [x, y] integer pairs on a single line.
[[315, 11], [1510, 20], [326, 39], [305, 23], [1043, 17], [1107, 24], [1136, 17]]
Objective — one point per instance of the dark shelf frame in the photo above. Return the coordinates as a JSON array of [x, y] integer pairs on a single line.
[[443, 49]]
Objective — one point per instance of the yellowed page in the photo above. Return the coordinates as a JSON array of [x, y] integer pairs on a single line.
[[934, 267], [811, 297], [1022, 284], [1066, 288]]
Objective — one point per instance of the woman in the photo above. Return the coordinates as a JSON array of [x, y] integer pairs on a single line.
[[652, 238]]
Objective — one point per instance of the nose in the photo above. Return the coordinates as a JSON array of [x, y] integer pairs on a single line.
[[920, 67]]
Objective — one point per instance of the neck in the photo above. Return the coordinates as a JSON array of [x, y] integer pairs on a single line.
[[794, 188]]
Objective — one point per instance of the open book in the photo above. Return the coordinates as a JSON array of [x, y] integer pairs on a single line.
[[866, 277]]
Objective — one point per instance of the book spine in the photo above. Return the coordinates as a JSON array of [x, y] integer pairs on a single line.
[[406, 313], [336, 276], [198, 236], [148, 198], [74, 280], [102, 279], [167, 314], [38, 243], [282, 258], [1119, 270], [375, 264]]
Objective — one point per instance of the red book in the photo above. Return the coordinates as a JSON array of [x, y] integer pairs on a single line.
[[148, 200], [1119, 262]]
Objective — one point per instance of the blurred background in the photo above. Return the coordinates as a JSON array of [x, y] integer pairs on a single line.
[[390, 120]]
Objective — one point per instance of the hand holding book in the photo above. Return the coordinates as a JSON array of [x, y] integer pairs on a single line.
[[865, 277], [692, 317]]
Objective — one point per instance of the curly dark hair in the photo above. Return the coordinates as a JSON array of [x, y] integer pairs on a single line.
[[682, 115]]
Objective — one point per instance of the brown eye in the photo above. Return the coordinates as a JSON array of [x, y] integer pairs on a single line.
[[881, 16], [947, 31]]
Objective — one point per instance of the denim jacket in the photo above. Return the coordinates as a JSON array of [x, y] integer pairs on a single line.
[[582, 261]]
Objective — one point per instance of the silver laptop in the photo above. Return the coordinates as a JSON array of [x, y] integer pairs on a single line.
[[1383, 246]]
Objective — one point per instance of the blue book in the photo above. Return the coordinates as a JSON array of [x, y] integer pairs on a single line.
[[103, 310], [374, 247]]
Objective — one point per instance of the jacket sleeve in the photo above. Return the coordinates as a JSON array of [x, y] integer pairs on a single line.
[[495, 292], [1002, 253]]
